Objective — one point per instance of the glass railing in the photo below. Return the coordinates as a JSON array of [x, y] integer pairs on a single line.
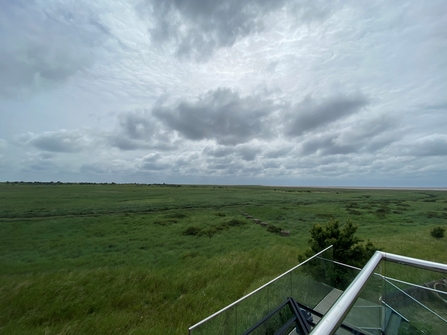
[[422, 304], [393, 299], [308, 283], [401, 299]]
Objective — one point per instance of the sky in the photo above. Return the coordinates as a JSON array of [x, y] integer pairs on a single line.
[[286, 92]]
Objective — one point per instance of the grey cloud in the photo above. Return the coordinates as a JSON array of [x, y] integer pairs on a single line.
[[248, 153], [278, 153], [311, 146], [92, 168], [370, 135], [220, 115], [62, 141], [3, 144], [186, 161], [127, 144], [38, 162], [381, 142], [366, 129], [152, 162], [200, 27], [433, 145], [271, 165], [363, 137], [225, 166], [41, 166], [441, 106], [310, 114], [326, 145], [140, 130], [137, 125], [218, 151], [43, 46]]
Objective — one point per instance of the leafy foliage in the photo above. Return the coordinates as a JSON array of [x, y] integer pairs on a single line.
[[347, 247], [438, 232], [192, 230], [210, 231], [274, 229]]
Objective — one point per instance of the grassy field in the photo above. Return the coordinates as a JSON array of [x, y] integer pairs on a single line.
[[155, 259]]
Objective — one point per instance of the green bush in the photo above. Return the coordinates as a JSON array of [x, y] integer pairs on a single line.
[[192, 230], [236, 222], [347, 249], [438, 232], [274, 229], [177, 215]]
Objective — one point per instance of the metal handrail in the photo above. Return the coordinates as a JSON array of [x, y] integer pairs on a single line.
[[336, 314], [386, 277], [414, 285], [258, 289]]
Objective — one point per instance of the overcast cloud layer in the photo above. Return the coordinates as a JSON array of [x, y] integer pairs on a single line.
[[289, 92]]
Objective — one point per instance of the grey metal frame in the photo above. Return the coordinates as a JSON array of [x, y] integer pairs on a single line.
[[329, 324]]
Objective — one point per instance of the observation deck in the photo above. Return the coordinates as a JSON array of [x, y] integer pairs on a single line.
[[391, 295]]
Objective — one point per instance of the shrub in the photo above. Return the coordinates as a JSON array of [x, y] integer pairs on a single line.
[[165, 222], [274, 229], [438, 232], [382, 212], [192, 230], [177, 215], [236, 222], [347, 248], [209, 232], [354, 212], [432, 215]]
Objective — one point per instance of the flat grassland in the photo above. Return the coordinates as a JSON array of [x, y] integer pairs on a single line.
[[155, 259]]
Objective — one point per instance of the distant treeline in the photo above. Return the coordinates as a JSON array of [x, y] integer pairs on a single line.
[[88, 183]]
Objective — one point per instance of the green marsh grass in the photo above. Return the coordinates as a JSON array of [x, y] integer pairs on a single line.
[[114, 259]]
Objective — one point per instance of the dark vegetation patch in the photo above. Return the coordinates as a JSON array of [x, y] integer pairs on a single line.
[[165, 222], [382, 212], [177, 215], [192, 231], [438, 232], [324, 215], [274, 229], [210, 231], [436, 215]]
